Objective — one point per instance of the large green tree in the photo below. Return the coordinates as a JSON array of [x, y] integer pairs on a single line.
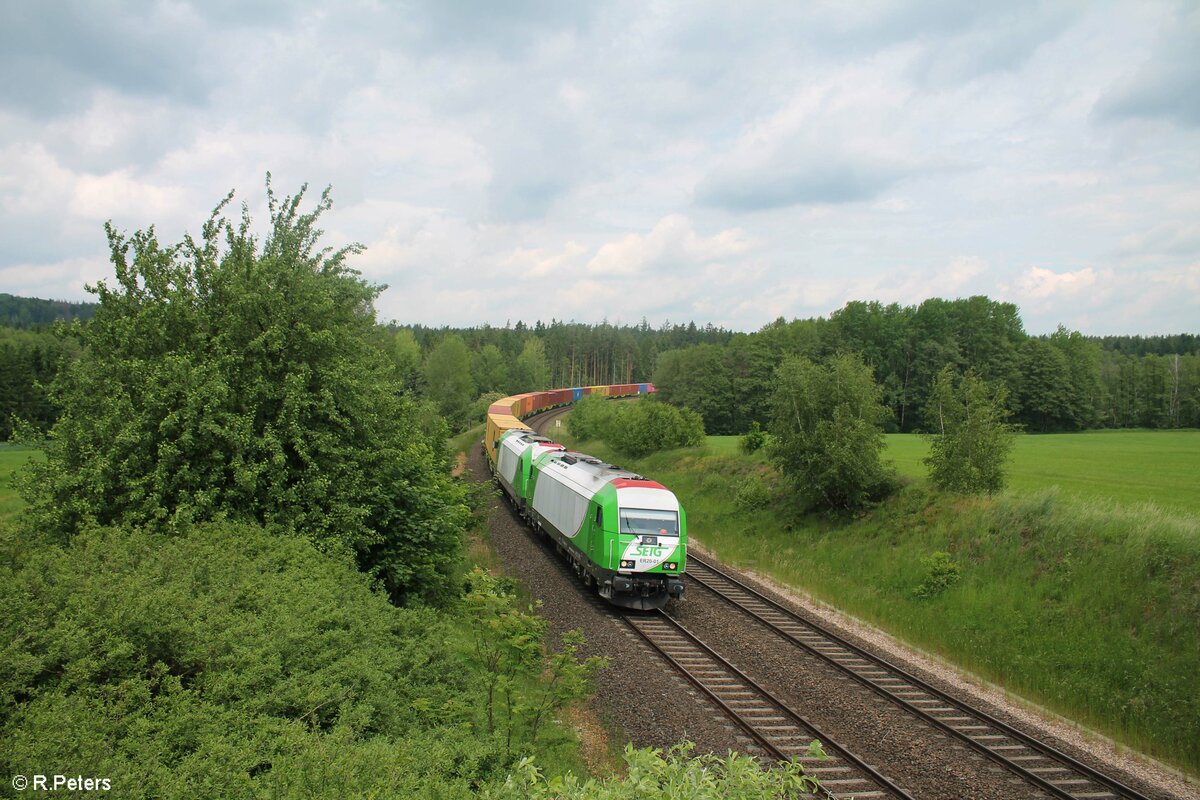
[[531, 373], [448, 379], [237, 378], [826, 422]]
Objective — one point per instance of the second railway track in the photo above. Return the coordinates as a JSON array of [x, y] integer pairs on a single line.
[[1034, 761], [779, 730]]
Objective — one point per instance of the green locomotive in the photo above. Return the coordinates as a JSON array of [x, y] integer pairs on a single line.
[[623, 533]]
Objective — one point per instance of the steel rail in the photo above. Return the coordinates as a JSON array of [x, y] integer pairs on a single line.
[[993, 738], [679, 646]]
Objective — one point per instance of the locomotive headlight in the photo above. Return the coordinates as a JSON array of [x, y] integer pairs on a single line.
[[627, 564], [670, 566]]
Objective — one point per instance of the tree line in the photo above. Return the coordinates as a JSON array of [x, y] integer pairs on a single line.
[[1063, 381]]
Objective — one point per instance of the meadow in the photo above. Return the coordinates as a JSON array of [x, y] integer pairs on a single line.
[[12, 458], [1078, 589], [1129, 468]]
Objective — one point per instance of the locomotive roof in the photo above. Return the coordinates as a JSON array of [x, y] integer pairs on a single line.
[[591, 474]]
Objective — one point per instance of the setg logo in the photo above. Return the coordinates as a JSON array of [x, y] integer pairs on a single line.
[[646, 551]]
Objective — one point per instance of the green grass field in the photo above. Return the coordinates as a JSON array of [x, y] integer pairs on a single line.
[[1127, 467], [1130, 468], [12, 458], [1079, 589]]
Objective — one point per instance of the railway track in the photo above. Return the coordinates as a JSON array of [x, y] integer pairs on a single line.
[[779, 730], [1036, 762]]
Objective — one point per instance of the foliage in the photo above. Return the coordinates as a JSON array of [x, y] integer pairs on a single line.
[[226, 661], [941, 572], [971, 440], [647, 426], [448, 379], [651, 774], [754, 439], [635, 428], [591, 417], [406, 355], [699, 378], [531, 373], [29, 362], [509, 648], [825, 427], [238, 379], [489, 368], [752, 493]]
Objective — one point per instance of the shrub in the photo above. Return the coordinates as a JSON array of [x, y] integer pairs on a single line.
[[753, 440], [651, 774], [971, 440], [941, 572], [751, 493], [228, 662], [645, 427], [590, 417]]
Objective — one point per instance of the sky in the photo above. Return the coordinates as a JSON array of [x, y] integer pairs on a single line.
[[724, 163]]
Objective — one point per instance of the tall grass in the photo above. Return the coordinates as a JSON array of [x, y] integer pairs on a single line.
[[1090, 607]]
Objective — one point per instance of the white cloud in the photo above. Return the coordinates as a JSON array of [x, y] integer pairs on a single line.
[[671, 244], [539, 262], [1040, 284]]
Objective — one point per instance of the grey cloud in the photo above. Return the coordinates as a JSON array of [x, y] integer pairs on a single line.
[[1165, 87], [817, 182], [53, 55]]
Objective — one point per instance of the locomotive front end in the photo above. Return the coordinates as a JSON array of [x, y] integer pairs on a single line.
[[647, 545]]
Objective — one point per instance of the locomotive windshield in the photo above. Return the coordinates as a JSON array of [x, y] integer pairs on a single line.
[[640, 521]]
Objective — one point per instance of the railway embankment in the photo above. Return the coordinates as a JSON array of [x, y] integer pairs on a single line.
[[1089, 609]]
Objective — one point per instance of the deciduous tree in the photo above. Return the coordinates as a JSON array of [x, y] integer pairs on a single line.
[[236, 378], [825, 426], [971, 439]]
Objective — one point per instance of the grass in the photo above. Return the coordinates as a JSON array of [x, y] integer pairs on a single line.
[[463, 442], [1084, 602], [1127, 467], [12, 458]]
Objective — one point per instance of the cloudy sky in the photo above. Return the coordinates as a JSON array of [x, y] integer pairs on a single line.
[[621, 160]]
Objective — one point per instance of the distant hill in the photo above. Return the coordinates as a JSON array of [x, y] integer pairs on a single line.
[[33, 312]]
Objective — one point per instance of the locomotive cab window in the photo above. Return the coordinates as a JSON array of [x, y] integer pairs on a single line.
[[641, 521], [599, 517]]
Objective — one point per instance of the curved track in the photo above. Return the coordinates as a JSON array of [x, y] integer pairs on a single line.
[[779, 730], [1034, 761]]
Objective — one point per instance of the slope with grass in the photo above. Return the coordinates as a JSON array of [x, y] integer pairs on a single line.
[[1089, 606]]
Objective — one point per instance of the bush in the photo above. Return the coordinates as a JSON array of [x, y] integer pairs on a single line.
[[752, 493], [754, 440], [591, 417], [229, 662], [941, 572], [971, 440], [647, 426]]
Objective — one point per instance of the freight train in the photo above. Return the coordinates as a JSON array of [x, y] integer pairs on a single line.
[[624, 534]]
